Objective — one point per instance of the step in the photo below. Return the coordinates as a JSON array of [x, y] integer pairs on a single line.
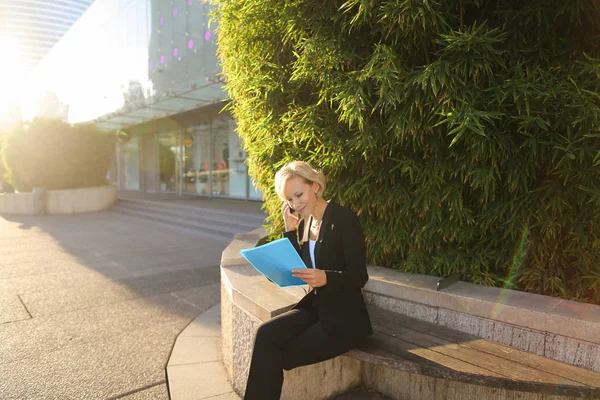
[[195, 369], [228, 225], [202, 215], [173, 221]]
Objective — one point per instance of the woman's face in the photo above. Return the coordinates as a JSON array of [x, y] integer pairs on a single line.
[[301, 195]]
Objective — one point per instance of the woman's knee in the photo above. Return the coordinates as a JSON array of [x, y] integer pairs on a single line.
[[266, 332]]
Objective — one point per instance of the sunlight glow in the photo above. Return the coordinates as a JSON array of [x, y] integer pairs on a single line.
[[89, 72], [12, 75]]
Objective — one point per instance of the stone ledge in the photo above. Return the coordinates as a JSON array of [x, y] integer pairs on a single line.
[[261, 298], [252, 236], [69, 201], [527, 321], [527, 310], [231, 255], [16, 203], [248, 287]]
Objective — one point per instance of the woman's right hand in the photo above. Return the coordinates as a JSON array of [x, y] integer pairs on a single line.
[[290, 219]]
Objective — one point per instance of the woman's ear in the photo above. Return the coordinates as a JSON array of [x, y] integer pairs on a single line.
[[316, 187]]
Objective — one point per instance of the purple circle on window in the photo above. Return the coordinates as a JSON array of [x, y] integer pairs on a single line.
[[150, 65], [175, 12], [175, 52], [207, 35], [189, 2], [162, 59], [161, 21], [191, 44]]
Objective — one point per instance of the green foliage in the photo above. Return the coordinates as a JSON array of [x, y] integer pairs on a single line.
[[5, 186], [166, 161], [466, 133], [56, 155]]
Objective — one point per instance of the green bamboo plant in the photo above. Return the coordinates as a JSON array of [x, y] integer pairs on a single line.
[[466, 133]]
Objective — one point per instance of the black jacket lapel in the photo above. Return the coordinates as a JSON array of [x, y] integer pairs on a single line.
[[325, 227]]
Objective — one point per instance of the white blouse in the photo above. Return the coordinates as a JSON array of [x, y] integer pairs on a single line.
[[311, 248]]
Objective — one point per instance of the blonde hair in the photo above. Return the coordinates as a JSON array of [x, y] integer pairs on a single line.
[[303, 170], [309, 174]]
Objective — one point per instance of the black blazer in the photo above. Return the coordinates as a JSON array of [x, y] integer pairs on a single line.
[[340, 251]]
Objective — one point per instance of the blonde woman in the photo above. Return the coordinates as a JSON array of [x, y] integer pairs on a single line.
[[332, 318]]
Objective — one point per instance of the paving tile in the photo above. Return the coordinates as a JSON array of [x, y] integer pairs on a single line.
[[226, 396], [11, 309], [194, 350], [205, 295], [36, 265], [102, 369], [53, 280], [29, 338], [158, 392], [198, 381], [207, 324], [108, 292]]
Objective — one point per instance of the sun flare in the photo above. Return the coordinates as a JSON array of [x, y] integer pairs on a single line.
[[12, 74]]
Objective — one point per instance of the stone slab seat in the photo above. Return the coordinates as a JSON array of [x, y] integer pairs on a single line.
[[407, 344]]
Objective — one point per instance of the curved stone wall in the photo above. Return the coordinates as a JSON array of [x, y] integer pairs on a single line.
[[70, 201]]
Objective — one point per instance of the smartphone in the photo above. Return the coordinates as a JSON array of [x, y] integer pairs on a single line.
[[293, 213]]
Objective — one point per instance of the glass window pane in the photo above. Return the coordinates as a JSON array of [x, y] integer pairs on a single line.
[[229, 171], [196, 166], [167, 161], [131, 160], [254, 192]]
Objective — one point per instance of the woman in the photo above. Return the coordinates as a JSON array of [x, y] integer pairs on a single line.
[[332, 318]]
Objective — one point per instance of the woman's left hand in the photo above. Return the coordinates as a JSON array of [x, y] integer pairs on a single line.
[[313, 277]]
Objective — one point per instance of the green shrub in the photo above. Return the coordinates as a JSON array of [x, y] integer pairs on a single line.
[[5, 186], [56, 155], [464, 132]]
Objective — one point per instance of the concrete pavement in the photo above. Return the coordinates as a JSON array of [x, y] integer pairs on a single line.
[[94, 306], [91, 304]]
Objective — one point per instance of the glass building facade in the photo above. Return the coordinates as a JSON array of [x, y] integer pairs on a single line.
[[37, 25], [149, 69]]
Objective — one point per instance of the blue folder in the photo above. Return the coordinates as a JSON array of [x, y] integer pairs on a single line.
[[276, 260]]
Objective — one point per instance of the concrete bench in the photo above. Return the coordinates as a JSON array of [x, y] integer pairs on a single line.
[[428, 344], [444, 357]]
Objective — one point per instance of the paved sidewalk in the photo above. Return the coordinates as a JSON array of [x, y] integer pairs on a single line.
[[91, 304], [195, 369]]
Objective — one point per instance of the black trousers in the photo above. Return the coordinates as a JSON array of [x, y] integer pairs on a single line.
[[290, 340]]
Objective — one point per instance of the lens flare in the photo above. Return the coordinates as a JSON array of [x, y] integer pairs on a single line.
[[515, 266]]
